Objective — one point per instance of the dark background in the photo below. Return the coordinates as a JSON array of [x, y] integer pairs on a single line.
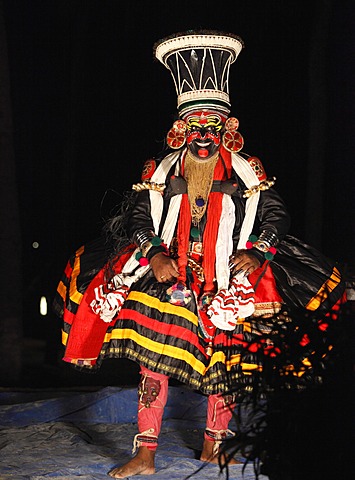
[[83, 104], [90, 104]]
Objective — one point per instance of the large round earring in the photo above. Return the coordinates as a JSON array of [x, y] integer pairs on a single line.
[[176, 136], [232, 140]]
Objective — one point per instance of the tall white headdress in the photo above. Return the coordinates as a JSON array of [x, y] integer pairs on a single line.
[[199, 63]]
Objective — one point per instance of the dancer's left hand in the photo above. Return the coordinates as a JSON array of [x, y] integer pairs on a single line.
[[244, 262]]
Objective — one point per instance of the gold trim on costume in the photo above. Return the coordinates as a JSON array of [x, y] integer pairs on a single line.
[[62, 289], [148, 185], [74, 295], [328, 286], [197, 268], [267, 308]]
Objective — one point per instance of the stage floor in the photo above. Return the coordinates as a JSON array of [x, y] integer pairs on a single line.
[[81, 435]]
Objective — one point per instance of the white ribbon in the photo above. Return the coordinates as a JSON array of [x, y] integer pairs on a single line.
[[230, 304]]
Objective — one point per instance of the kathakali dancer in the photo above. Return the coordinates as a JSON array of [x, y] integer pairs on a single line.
[[207, 258]]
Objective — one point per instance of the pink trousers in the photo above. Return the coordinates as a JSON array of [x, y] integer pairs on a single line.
[[153, 394]]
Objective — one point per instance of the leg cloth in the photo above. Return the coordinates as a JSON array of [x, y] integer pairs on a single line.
[[219, 413], [152, 397]]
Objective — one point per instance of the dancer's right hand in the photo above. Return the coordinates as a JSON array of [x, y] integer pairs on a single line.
[[164, 268]]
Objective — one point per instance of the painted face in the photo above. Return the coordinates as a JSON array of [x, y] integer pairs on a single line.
[[203, 134]]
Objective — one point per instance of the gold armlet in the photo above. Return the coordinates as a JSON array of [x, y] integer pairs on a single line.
[[138, 187], [264, 185]]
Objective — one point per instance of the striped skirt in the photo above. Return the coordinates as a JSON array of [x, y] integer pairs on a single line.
[[168, 339]]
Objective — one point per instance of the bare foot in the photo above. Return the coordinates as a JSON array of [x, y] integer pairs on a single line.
[[142, 463], [207, 455]]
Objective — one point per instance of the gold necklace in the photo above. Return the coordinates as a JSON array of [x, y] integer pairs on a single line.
[[199, 179]]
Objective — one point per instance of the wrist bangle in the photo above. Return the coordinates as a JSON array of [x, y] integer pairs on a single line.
[[269, 239], [142, 236], [263, 244], [145, 248], [141, 256]]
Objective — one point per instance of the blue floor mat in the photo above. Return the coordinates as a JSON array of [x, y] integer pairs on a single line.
[[72, 435]]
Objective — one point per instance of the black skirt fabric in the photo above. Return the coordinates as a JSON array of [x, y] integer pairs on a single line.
[[305, 277], [167, 338]]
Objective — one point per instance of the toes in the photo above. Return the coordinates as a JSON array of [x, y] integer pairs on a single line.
[[115, 473]]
